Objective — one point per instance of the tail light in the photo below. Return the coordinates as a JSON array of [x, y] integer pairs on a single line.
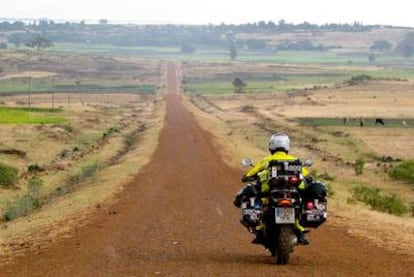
[[285, 202], [310, 205], [294, 180]]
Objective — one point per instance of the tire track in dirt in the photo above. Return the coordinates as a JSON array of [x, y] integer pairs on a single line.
[[177, 219]]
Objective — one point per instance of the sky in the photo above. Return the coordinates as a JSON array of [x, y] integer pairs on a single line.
[[384, 12]]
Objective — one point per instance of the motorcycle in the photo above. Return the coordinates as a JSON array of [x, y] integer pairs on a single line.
[[277, 213]]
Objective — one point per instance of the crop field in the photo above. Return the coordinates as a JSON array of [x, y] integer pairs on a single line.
[[216, 78], [24, 72], [30, 116]]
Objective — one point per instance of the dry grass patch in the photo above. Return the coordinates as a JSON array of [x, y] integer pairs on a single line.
[[235, 129], [139, 121]]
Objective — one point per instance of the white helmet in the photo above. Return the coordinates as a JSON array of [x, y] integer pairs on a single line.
[[279, 141]]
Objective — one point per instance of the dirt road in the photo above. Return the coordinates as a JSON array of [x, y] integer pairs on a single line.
[[177, 219]]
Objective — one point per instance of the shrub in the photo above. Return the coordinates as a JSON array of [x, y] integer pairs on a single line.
[[373, 197], [325, 176], [359, 166], [331, 192], [247, 108], [8, 175], [88, 171], [111, 131], [27, 203], [412, 208], [33, 186], [23, 206], [68, 128], [356, 80], [35, 168], [404, 171]]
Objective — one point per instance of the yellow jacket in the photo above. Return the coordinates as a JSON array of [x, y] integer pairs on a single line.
[[260, 169]]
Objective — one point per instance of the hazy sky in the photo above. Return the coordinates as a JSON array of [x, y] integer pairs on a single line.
[[396, 12]]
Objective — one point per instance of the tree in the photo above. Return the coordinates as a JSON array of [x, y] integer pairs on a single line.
[[256, 44], [372, 58], [187, 48], [406, 46], [381, 45], [233, 52], [408, 51], [40, 43], [239, 85]]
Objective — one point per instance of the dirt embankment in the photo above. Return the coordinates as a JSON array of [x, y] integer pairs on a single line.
[[176, 218]]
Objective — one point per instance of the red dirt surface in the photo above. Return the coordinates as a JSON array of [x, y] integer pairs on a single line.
[[177, 219]]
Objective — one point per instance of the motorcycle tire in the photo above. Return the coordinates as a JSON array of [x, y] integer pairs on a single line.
[[284, 245]]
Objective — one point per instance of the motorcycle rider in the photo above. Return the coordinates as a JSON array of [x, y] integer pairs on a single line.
[[279, 147]]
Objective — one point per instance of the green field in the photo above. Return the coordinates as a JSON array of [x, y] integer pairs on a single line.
[[30, 116], [21, 85], [368, 122], [221, 53]]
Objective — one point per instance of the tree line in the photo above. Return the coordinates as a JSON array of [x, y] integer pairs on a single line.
[[19, 33], [43, 33]]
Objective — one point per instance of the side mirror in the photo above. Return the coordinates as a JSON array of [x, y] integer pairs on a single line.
[[247, 162], [308, 162]]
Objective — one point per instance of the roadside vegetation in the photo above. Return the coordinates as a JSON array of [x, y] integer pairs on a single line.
[[8, 175], [62, 123], [404, 171], [379, 201]]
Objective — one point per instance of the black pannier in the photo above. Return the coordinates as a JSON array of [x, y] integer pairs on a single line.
[[314, 208], [315, 190]]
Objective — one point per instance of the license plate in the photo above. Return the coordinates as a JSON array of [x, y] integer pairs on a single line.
[[284, 215]]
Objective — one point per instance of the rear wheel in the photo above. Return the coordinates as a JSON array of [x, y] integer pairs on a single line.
[[284, 244]]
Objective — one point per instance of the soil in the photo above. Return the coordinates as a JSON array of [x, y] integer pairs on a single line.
[[177, 219]]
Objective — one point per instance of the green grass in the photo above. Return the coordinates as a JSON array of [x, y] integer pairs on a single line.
[[46, 85], [8, 175], [277, 80], [378, 201], [225, 87], [30, 116], [404, 171], [221, 53]]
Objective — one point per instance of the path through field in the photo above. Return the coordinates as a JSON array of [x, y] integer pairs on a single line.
[[177, 219]]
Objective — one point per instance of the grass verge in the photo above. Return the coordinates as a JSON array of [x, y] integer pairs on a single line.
[[373, 197], [404, 171]]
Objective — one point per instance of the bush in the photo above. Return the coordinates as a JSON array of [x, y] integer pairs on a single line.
[[68, 128], [247, 108], [373, 197], [412, 208], [359, 166], [404, 171], [86, 172], [8, 175], [35, 168], [27, 203], [33, 186], [22, 207], [359, 79]]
